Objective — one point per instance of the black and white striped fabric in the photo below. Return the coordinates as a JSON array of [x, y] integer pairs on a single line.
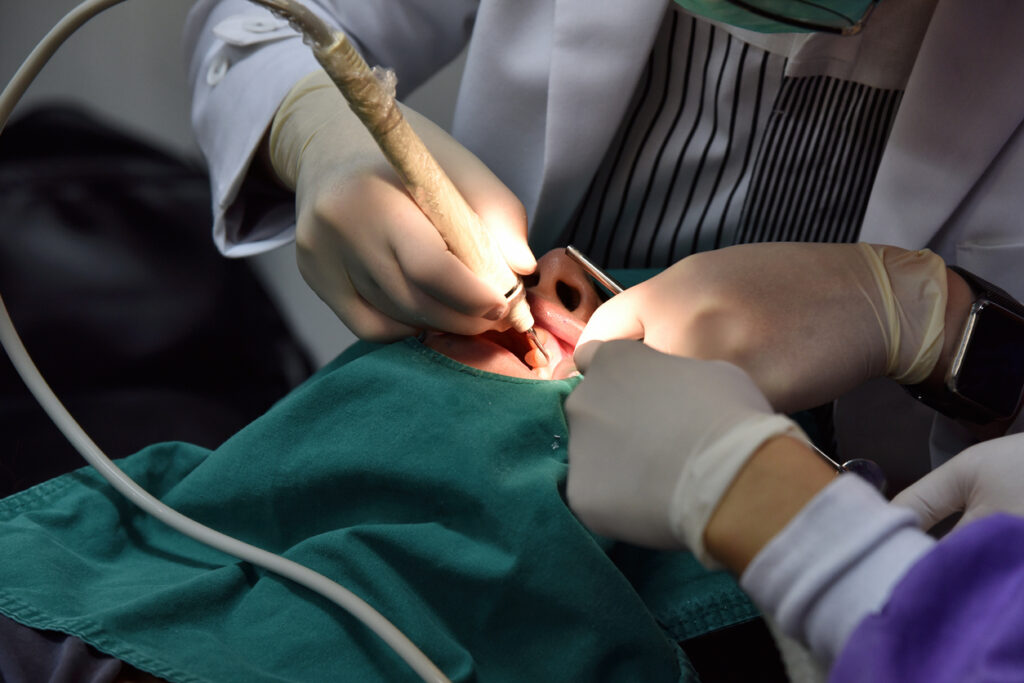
[[720, 147]]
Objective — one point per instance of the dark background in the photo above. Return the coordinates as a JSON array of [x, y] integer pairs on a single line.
[[142, 328]]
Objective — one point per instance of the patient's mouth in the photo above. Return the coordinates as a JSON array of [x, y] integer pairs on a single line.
[[558, 330], [514, 342], [511, 349], [561, 325], [505, 353]]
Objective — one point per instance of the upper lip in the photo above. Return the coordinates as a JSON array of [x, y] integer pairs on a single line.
[[554, 318]]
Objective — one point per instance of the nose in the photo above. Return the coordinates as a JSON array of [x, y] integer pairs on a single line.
[[559, 278]]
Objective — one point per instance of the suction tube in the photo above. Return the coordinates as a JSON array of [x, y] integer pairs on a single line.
[[26, 368]]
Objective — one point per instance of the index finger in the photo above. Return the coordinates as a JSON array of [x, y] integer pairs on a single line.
[[427, 263]]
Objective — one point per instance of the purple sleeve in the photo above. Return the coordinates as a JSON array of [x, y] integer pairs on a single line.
[[957, 615]]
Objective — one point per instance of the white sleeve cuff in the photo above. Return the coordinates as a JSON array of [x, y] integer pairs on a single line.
[[244, 62], [835, 563]]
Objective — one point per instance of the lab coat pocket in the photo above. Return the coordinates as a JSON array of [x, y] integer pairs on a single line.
[[1000, 264]]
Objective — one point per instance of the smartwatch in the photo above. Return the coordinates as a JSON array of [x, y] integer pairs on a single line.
[[985, 380]]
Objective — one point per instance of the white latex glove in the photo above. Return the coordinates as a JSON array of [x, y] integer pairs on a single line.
[[655, 441], [807, 321], [985, 478], [363, 245]]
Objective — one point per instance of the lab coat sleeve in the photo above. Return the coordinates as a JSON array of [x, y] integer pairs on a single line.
[[958, 614], [835, 564], [242, 61]]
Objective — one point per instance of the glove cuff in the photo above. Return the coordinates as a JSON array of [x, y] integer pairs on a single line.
[[302, 113], [912, 290], [708, 474]]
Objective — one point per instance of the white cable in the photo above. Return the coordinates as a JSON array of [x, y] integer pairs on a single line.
[[67, 424]]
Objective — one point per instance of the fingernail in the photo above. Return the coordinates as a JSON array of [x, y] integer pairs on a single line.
[[495, 313]]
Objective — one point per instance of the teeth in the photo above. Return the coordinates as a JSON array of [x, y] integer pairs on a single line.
[[552, 346]]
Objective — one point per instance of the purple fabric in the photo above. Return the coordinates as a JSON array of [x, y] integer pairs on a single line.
[[958, 614]]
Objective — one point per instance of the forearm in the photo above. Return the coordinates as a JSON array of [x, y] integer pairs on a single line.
[[850, 575], [816, 553], [775, 484]]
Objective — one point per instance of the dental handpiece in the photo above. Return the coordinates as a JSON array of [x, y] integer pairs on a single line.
[[429, 186]]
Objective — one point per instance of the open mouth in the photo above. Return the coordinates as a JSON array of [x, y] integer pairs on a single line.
[[505, 352], [557, 330]]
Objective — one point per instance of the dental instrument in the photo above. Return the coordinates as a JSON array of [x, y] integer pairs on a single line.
[[869, 470], [121, 482], [370, 95], [603, 278]]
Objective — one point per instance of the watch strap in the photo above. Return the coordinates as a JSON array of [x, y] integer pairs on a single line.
[[942, 398], [983, 289]]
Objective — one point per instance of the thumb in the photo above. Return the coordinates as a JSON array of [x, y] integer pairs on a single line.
[[934, 496], [519, 257], [614, 319]]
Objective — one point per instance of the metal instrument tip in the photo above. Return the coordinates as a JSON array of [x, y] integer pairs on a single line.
[[536, 357]]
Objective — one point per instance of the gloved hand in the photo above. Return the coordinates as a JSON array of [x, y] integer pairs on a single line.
[[655, 441], [983, 479], [807, 321], [363, 245]]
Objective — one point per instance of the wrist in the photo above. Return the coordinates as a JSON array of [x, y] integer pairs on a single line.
[[835, 563], [978, 379], [958, 306], [772, 487]]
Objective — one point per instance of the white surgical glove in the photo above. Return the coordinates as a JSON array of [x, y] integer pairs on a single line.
[[981, 480], [655, 441], [807, 321], [363, 244]]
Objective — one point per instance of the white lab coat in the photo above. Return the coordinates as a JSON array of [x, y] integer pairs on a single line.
[[952, 174], [547, 82], [554, 77]]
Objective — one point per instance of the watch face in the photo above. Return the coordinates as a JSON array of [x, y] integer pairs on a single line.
[[989, 369]]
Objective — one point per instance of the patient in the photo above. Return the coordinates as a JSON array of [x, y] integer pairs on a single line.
[[427, 476]]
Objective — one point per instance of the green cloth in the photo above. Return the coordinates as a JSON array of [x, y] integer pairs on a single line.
[[837, 13], [432, 490]]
